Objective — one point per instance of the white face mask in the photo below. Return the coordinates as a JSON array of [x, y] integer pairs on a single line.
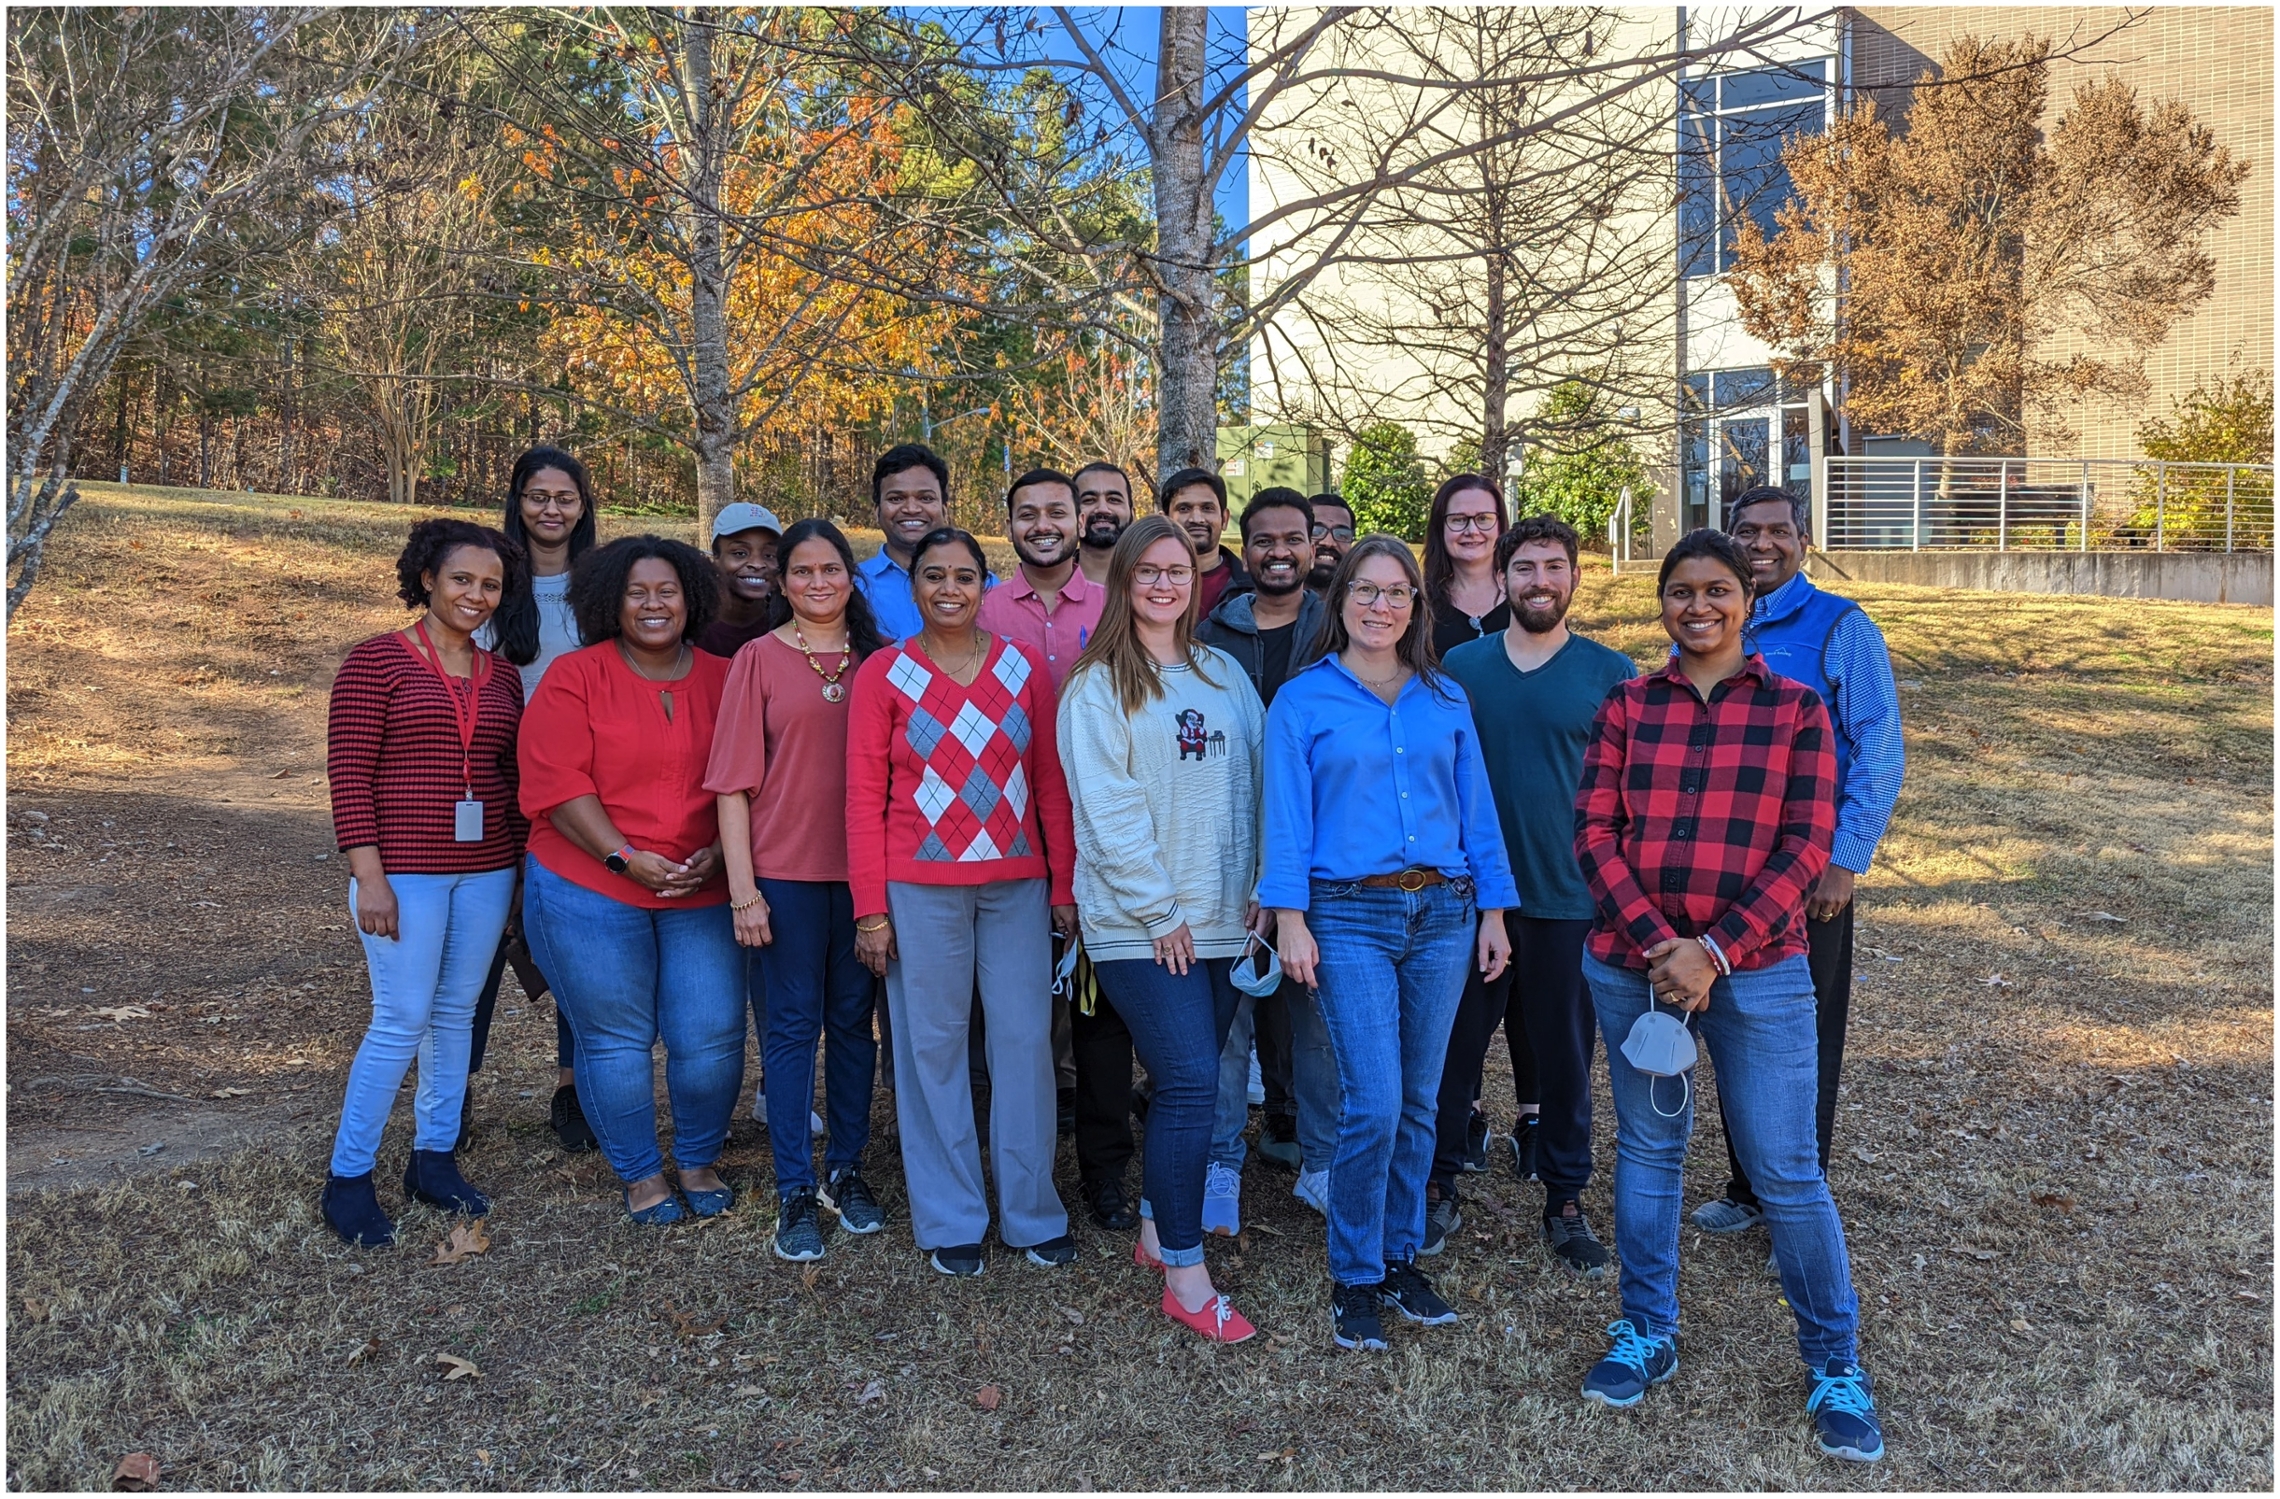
[[1661, 1045], [1065, 973], [1258, 972]]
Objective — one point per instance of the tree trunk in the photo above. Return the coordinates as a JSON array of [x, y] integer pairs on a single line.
[[205, 446], [708, 291], [1495, 374], [1187, 338], [119, 428], [285, 483]]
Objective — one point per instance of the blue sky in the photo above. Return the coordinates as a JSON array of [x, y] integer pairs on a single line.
[[1126, 36]]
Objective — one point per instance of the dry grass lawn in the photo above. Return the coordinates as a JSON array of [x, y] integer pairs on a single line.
[[2054, 1162]]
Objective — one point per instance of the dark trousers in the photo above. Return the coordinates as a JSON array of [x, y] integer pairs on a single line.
[[1829, 957], [816, 989], [1549, 1025], [512, 949], [1270, 1036], [1101, 1046]]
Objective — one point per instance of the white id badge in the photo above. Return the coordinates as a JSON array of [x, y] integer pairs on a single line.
[[467, 822]]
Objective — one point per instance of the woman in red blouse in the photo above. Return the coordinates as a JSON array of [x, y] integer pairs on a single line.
[[420, 752], [960, 856], [623, 900]]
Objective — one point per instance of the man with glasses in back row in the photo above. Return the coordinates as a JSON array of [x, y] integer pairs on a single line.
[[1829, 644]]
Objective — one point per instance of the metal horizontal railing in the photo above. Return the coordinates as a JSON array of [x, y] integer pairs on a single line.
[[2046, 504]]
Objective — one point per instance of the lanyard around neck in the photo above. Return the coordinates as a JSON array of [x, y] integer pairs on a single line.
[[467, 705]]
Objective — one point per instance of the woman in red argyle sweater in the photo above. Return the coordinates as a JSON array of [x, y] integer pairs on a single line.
[[960, 858]]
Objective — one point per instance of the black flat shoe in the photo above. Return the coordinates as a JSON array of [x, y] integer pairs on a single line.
[[353, 1209], [569, 1121], [1106, 1202], [433, 1177]]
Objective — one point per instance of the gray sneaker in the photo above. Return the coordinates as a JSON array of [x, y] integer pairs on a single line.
[[1313, 1189], [798, 1235], [849, 1196], [1574, 1244], [1723, 1215], [1441, 1220]]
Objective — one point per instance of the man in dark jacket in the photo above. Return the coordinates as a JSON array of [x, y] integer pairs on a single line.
[[1269, 631]]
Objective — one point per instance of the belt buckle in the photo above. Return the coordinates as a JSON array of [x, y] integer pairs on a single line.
[[1403, 879]]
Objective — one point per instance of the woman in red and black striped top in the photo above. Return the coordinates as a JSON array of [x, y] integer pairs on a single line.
[[421, 756]]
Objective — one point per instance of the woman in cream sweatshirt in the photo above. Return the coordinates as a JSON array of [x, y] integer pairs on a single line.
[[1160, 739]]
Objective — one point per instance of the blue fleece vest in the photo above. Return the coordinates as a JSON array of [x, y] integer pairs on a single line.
[[1796, 646]]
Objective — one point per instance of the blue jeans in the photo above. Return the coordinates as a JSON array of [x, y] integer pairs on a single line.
[[1178, 1024], [627, 977], [815, 988], [425, 980], [1313, 1082], [1759, 1033], [1391, 970]]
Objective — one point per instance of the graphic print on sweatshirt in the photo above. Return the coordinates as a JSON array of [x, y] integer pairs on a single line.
[[973, 792], [1194, 743]]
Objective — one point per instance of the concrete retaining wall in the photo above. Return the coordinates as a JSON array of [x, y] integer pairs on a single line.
[[2191, 577]]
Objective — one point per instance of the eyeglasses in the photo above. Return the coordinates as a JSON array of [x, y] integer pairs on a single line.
[[545, 497], [1148, 575], [1484, 524], [1343, 533], [1396, 598]]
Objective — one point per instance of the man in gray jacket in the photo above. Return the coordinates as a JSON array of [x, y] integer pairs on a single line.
[[1271, 631]]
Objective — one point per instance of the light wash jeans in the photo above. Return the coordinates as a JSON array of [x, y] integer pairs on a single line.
[[1759, 1032], [1392, 968], [1313, 1083], [425, 981], [629, 977]]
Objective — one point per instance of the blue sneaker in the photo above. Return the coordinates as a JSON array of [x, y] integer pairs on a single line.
[[1222, 1200], [1844, 1413], [1635, 1362]]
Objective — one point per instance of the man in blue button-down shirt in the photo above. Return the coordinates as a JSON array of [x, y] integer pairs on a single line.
[[910, 489], [1832, 646]]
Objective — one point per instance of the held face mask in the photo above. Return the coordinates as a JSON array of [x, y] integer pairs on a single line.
[[1661, 1045], [1258, 972]]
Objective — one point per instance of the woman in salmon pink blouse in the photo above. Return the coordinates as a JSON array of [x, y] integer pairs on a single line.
[[779, 768], [623, 899], [420, 752], [960, 857]]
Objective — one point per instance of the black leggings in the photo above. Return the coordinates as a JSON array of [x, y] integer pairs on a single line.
[[512, 949], [1549, 1025]]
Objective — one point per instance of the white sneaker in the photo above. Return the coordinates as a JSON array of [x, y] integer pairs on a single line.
[[760, 1107], [1313, 1189], [815, 1124], [1222, 1200], [1257, 1092]]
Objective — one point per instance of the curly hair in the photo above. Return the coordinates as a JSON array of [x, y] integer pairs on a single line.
[[598, 583], [431, 541]]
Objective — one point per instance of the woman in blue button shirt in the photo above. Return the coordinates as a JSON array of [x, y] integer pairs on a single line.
[[1380, 839]]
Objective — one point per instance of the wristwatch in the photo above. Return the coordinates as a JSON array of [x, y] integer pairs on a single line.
[[620, 861]]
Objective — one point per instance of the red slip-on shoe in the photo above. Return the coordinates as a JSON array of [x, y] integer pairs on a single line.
[[1218, 1323], [1145, 1260]]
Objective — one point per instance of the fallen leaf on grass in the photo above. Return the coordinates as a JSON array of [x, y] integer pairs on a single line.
[[1073, 1315], [460, 1368], [35, 1311], [688, 1325], [1864, 1156], [2058, 1200], [988, 1397], [482, 1457], [2246, 1296], [872, 1391], [466, 1239], [808, 1276], [137, 1471], [791, 1475], [2019, 1324], [745, 1390], [123, 1013], [2105, 916], [363, 1351], [233, 1093], [1996, 981]]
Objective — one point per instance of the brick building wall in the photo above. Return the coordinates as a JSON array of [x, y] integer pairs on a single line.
[[2218, 62]]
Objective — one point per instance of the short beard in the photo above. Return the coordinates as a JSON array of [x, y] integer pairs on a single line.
[[1102, 537], [1024, 554], [1298, 581], [1318, 578], [1542, 621]]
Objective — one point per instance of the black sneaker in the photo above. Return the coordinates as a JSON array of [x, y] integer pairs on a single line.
[[849, 1196], [1633, 1364], [799, 1234], [1475, 1158], [958, 1259], [1441, 1218], [1053, 1252], [1408, 1292], [1524, 1148], [1106, 1201], [1354, 1318], [1278, 1141], [569, 1121], [1573, 1242]]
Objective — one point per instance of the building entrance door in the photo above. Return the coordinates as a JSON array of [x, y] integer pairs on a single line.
[[1744, 442]]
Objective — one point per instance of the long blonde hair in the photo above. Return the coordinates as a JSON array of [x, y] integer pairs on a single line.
[[1115, 646]]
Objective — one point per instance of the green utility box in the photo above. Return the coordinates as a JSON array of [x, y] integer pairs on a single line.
[[1256, 458]]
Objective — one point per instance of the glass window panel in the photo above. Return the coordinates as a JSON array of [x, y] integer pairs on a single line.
[[1697, 197], [1700, 93], [1796, 451], [1774, 85], [1743, 455], [1751, 387], [1752, 180]]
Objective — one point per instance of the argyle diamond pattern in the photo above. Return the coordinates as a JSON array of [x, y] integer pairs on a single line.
[[973, 791]]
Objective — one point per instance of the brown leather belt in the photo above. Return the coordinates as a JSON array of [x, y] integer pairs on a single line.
[[1411, 880]]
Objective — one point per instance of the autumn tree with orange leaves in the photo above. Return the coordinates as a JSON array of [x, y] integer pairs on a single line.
[[702, 205]]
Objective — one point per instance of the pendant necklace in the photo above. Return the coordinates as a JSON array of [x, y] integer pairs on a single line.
[[832, 691]]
